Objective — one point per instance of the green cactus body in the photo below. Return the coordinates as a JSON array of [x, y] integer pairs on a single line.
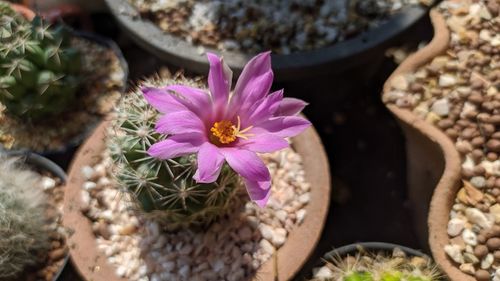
[[419, 278], [391, 276], [358, 276], [23, 235], [164, 190], [39, 71]]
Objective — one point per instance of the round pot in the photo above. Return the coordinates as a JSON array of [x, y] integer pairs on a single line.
[[23, 10], [360, 50], [434, 165], [371, 247], [44, 164], [63, 156], [92, 264]]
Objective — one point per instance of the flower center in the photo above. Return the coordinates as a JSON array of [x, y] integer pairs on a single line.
[[225, 132]]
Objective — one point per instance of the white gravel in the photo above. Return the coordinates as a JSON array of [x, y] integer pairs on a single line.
[[230, 249]]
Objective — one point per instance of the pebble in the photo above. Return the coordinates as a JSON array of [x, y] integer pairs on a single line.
[[480, 251], [468, 268], [482, 275], [266, 246], [89, 185], [88, 172], [455, 253], [245, 233], [447, 80], [323, 272], [476, 216], [495, 211], [48, 183], [497, 275], [455, 226], [478, 182], [493, 243], [441, 107], [487, 261], [279, 237], [469, 237]]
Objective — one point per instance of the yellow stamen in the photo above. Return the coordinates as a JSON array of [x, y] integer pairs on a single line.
[[226, 132]]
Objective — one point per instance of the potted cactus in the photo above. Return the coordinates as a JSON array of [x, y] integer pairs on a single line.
[[183, 159], [32, 243], [376, 261], [54, 84]]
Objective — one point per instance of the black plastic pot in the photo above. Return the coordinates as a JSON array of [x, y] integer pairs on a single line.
[[359, 50], [372, 247], [42, 163], [63, 156]]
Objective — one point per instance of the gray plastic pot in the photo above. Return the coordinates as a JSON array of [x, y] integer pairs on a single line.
[[358, 51], [42, 163], [371, 247]]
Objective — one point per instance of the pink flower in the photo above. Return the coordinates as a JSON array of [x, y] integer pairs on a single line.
[[221, 126]]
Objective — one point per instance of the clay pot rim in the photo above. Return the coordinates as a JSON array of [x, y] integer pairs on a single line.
[[92, 264], [449, 183], [26, 12], [44, 164]]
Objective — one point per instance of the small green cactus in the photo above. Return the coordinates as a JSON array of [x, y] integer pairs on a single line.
[[379, 267], [39, 71], [163, 190], [23, 237]]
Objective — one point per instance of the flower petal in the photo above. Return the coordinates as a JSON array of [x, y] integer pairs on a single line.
[[255, 80], [247, 164], [258, 89], [175, 146], [180, 122], [264, 109], [259, 191], [197, 100], [264, 143], [162, 100], [210, 162], [284, 126], [219, 79], [290, 106]]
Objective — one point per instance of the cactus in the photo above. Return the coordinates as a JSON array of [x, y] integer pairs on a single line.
[[38, 69], [24, 240], [380, 267], [164, 190]]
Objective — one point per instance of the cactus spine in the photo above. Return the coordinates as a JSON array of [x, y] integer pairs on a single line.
[[38, 69], [23, 237], [380, 267], [164, 190]]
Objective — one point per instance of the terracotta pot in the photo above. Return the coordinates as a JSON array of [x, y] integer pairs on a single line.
[[434, 165], [92, 264], [24, 11]]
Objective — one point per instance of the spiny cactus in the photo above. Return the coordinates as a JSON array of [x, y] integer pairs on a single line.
[[379, 267], [23, 238], [38, 69], [164, 190]]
